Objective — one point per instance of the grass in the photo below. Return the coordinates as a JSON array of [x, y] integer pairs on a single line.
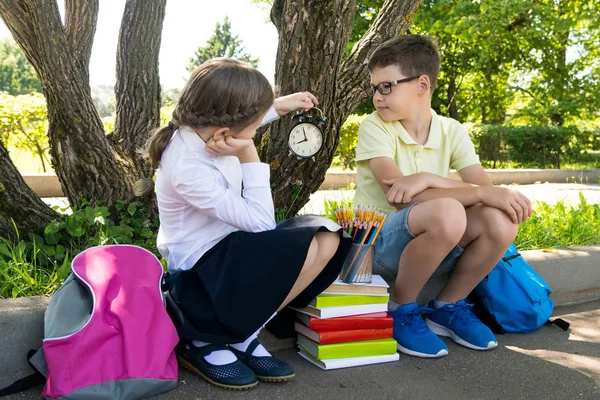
[[22, 273], [559, 225]]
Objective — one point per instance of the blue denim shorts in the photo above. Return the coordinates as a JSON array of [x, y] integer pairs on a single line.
[[392, 240]]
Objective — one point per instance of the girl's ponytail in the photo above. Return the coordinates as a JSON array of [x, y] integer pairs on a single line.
[[158, 142]]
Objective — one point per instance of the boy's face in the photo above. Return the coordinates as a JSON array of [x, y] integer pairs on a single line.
[[403, 98]]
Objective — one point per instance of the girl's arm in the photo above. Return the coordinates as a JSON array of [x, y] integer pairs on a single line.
[[202, 188]]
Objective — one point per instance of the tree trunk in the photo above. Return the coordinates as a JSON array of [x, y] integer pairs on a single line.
[[138, 89], [88, 165], [452, 92], [312, 38], [19, 203]]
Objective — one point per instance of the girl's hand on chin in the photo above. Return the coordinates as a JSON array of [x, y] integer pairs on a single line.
[[227, 146]]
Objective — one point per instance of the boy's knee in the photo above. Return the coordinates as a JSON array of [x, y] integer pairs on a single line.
[[499, 226], [449, 219]]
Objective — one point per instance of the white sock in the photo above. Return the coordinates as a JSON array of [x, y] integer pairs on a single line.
[[260, 351], [219, 357], [439, 304], [393, 306]]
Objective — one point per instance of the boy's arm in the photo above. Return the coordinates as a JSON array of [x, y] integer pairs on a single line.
[[401, 191], [476, 175]]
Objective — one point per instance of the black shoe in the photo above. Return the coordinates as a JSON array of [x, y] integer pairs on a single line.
[[269, 369], [235, 375]]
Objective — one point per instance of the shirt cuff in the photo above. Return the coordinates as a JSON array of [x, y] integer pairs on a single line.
[[466, 162], [270, 116], [256, 175]]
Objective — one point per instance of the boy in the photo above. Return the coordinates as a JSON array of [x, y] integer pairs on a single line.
[[404, 154]]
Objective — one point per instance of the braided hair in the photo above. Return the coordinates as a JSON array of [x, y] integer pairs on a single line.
[[220, 92]]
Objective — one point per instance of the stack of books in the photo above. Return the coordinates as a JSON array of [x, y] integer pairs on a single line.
[[346, 326]]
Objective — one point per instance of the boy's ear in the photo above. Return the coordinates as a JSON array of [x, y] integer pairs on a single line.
[[424, 84], [220, 133]]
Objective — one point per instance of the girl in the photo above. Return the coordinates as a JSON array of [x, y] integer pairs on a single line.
[[231, 267]]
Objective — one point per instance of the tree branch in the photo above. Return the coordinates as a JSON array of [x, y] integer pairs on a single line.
[[540, 102], [18, 18], [138, 85], [80, 26], [276, 11], [18, 202], [79, 147], [395, 17]]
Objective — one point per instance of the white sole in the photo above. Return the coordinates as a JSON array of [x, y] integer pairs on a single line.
[[443, 331], [404, 350]]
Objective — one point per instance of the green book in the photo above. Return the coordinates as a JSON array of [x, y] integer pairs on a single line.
[[363, 348], [338, 300]]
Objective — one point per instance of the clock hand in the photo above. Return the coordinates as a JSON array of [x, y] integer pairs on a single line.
[[303, 131], [302, 141]]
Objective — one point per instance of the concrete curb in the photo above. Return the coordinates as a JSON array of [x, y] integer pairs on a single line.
[[573, 273], [48, 185]]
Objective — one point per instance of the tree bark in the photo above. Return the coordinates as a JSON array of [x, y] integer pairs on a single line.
[[452, 91], [88, 165], [18, 203], [138, 84], [312, 38]]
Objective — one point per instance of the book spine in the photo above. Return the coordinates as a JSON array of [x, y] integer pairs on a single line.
[[354, 336], [356, 349], [349, 301], [323, 325]]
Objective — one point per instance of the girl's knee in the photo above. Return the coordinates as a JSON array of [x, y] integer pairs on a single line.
[[328, 243]]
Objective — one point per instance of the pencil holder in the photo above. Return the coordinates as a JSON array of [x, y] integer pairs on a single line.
[[358, 266]]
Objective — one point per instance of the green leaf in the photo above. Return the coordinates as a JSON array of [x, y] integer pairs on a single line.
[[131, 209]]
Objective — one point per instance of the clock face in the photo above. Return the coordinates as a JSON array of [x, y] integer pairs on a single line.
[[305, 140]]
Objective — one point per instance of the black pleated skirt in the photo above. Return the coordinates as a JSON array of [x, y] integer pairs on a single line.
[[240, 282]]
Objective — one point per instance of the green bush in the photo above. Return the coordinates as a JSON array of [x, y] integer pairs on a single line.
[[345, 154], [38, 265], [530, 146]]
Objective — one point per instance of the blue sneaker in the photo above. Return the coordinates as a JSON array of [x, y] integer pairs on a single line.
[[459, 323], [412, 334]]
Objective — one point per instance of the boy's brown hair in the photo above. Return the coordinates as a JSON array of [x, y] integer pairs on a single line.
[[220, 92], [413, 54]]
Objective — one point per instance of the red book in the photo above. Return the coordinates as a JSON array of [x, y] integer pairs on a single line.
[[356, 335], [379, 320]]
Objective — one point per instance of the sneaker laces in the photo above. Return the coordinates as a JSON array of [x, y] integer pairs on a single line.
[[414, 318], [462, 311]]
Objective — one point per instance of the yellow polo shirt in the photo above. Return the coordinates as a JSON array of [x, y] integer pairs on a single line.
[[448, 146]]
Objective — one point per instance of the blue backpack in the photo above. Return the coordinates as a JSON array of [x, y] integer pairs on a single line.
[[514, 297]]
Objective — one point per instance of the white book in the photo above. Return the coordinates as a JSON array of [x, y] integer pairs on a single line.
[[337, 363], [342, 311], [377, 287]]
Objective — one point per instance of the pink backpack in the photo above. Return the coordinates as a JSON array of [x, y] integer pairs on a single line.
[[107, 333]]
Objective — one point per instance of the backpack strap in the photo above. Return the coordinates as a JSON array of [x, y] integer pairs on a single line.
[[561, 323], [27, 382]]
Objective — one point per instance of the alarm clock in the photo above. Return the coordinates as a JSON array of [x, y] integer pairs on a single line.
[[306, 133]]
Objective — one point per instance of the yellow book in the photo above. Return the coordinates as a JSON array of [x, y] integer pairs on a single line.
[[337, 300], [363, 348]]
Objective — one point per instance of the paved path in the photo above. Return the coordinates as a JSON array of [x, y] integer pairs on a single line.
[[547, 364], [547, 192]]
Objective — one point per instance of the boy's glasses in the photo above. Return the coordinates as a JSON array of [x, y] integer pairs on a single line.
[[385, 88]]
